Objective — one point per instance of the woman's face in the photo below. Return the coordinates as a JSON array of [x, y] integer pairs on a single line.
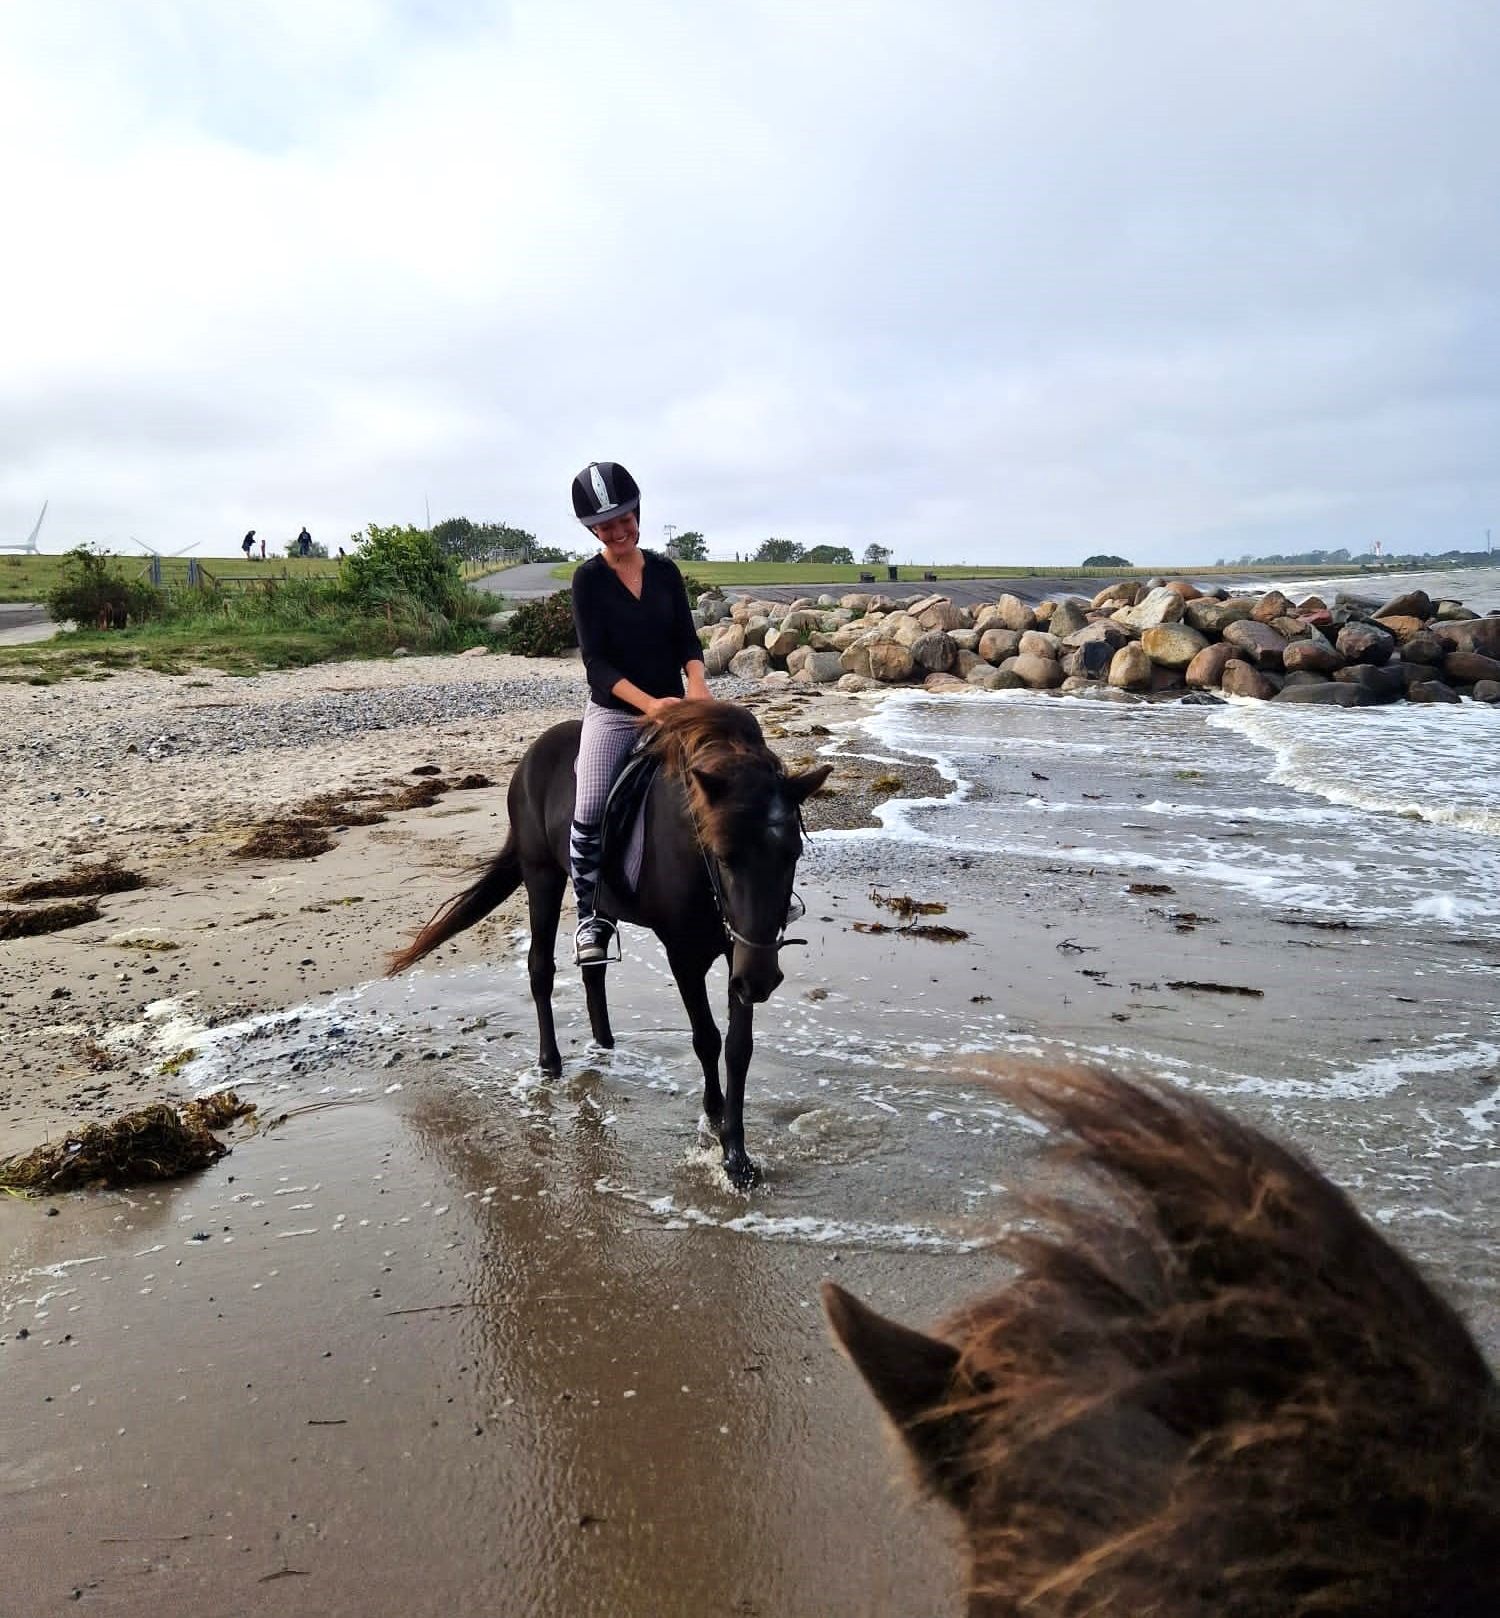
[[619, 536]]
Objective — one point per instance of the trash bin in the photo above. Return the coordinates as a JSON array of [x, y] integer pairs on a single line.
[[891, 573]]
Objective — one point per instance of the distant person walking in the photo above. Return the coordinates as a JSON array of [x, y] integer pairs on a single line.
[[304, 542], [247, 542], [263, 550]]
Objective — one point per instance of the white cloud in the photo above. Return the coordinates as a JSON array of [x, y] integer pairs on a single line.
[[985, 281]]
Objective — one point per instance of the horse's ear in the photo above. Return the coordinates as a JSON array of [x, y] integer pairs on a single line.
[[715, 787], [803, 786], [912, 1377]]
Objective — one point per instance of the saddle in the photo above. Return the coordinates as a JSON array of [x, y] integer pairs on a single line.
[[623, 830]]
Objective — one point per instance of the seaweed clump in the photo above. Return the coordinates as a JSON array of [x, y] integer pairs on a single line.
[[158, 1142], [47, 918], [83, 881], [295, 838]]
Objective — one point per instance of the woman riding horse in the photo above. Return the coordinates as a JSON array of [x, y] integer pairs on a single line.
[[636, 632]]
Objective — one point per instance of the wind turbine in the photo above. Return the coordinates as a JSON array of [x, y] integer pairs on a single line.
[[151, 550], [27, 547]]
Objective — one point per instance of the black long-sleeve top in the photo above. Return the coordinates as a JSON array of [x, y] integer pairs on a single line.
[[645, 641]]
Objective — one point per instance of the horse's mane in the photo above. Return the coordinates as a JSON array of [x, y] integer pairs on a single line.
[[719, 739], [1213, 1388]]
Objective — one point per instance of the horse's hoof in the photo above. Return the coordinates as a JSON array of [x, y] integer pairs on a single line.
[[743, 1174], [551, 1068]]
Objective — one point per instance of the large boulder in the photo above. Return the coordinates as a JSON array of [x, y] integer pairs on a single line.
[[1487, 691], [1431, 691], [756, 630], [1040, 673], [1468, 667], [1366, 643], [966, 640], [901, 626], [1013, 613], [1183, 587], [781, 643], [717, 655], [1384, 683], [995, 645], [858, 601], [822, 668], [1159, 607], [891, 661], [1213, 617], [1102, 629], [1130, 668], [1480, 635], [1424, 648], [1256, 642], [1068, 617], [796, 659], [1090, 661], [1242, 679], [1314, 653], [1040, 644], [935, 651], [1453, 612], [754, 663], [1172, 646], [966, 662], [1122, 593], [942, 614], [1207, 668], [1271, 606], [1403, 628], [856, 659], [857, 682], [991, 679], [1413, 604], [1324, 694], [945, 682], [732, 636]]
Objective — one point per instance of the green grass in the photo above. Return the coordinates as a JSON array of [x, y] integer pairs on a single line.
[[29, 578], [813, 573]]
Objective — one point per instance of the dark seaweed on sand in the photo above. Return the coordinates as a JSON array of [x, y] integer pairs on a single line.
[[152, 1143], [84, 881], [48, 918]]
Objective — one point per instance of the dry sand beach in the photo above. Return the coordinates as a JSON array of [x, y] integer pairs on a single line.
[[441, 1337]]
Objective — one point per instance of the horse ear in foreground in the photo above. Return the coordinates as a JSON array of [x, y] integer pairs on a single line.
[[1211, 1390], [723, 837]]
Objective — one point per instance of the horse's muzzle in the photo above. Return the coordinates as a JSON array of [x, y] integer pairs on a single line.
[[755, 988]]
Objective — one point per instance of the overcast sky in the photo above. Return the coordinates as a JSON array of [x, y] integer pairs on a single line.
[[1007, 281]]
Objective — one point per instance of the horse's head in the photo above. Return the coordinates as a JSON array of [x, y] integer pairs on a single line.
[[750, 820], [1210, 1387]]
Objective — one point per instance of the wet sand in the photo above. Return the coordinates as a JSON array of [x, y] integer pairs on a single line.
[[449, 1338]]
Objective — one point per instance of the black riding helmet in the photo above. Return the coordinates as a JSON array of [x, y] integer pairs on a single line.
[[602, 490]]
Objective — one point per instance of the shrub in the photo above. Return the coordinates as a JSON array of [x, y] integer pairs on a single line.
[[543, 628], [94, 594], [397, 562], [1105, 561]]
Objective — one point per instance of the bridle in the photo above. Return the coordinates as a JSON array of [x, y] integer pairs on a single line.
[[795, 909]]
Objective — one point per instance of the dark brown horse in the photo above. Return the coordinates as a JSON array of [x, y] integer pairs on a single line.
[[1211, 1390], [723, 836]]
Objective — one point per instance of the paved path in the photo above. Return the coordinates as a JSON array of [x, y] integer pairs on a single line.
[[529, 582], [24, 621]]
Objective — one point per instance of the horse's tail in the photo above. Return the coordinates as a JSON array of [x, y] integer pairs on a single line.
[[502, 876]]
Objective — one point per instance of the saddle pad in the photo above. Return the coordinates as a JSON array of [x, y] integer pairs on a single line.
[[624, 828]]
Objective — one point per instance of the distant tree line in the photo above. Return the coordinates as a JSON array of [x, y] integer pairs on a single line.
[[497, 542], [1342, 557], [1105, 560]]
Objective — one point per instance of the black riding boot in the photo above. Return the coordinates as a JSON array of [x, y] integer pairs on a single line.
[[591, 943]]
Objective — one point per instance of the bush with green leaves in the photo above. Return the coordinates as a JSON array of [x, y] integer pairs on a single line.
[[94, 594], [402, 563], [543, 628]]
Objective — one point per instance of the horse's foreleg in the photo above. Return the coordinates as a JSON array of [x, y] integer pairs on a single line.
[[692, 985], [598, 1004], [545, 886], [737, 1049]]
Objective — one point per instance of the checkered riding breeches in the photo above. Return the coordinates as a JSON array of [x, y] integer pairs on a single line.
[[608, 736]]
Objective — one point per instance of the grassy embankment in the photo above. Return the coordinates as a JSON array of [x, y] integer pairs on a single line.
[[30, 578], [276, 614], [813, 573]]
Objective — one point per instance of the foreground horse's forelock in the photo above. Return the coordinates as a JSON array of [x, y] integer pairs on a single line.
[[748, 813], [1210, 1389]]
